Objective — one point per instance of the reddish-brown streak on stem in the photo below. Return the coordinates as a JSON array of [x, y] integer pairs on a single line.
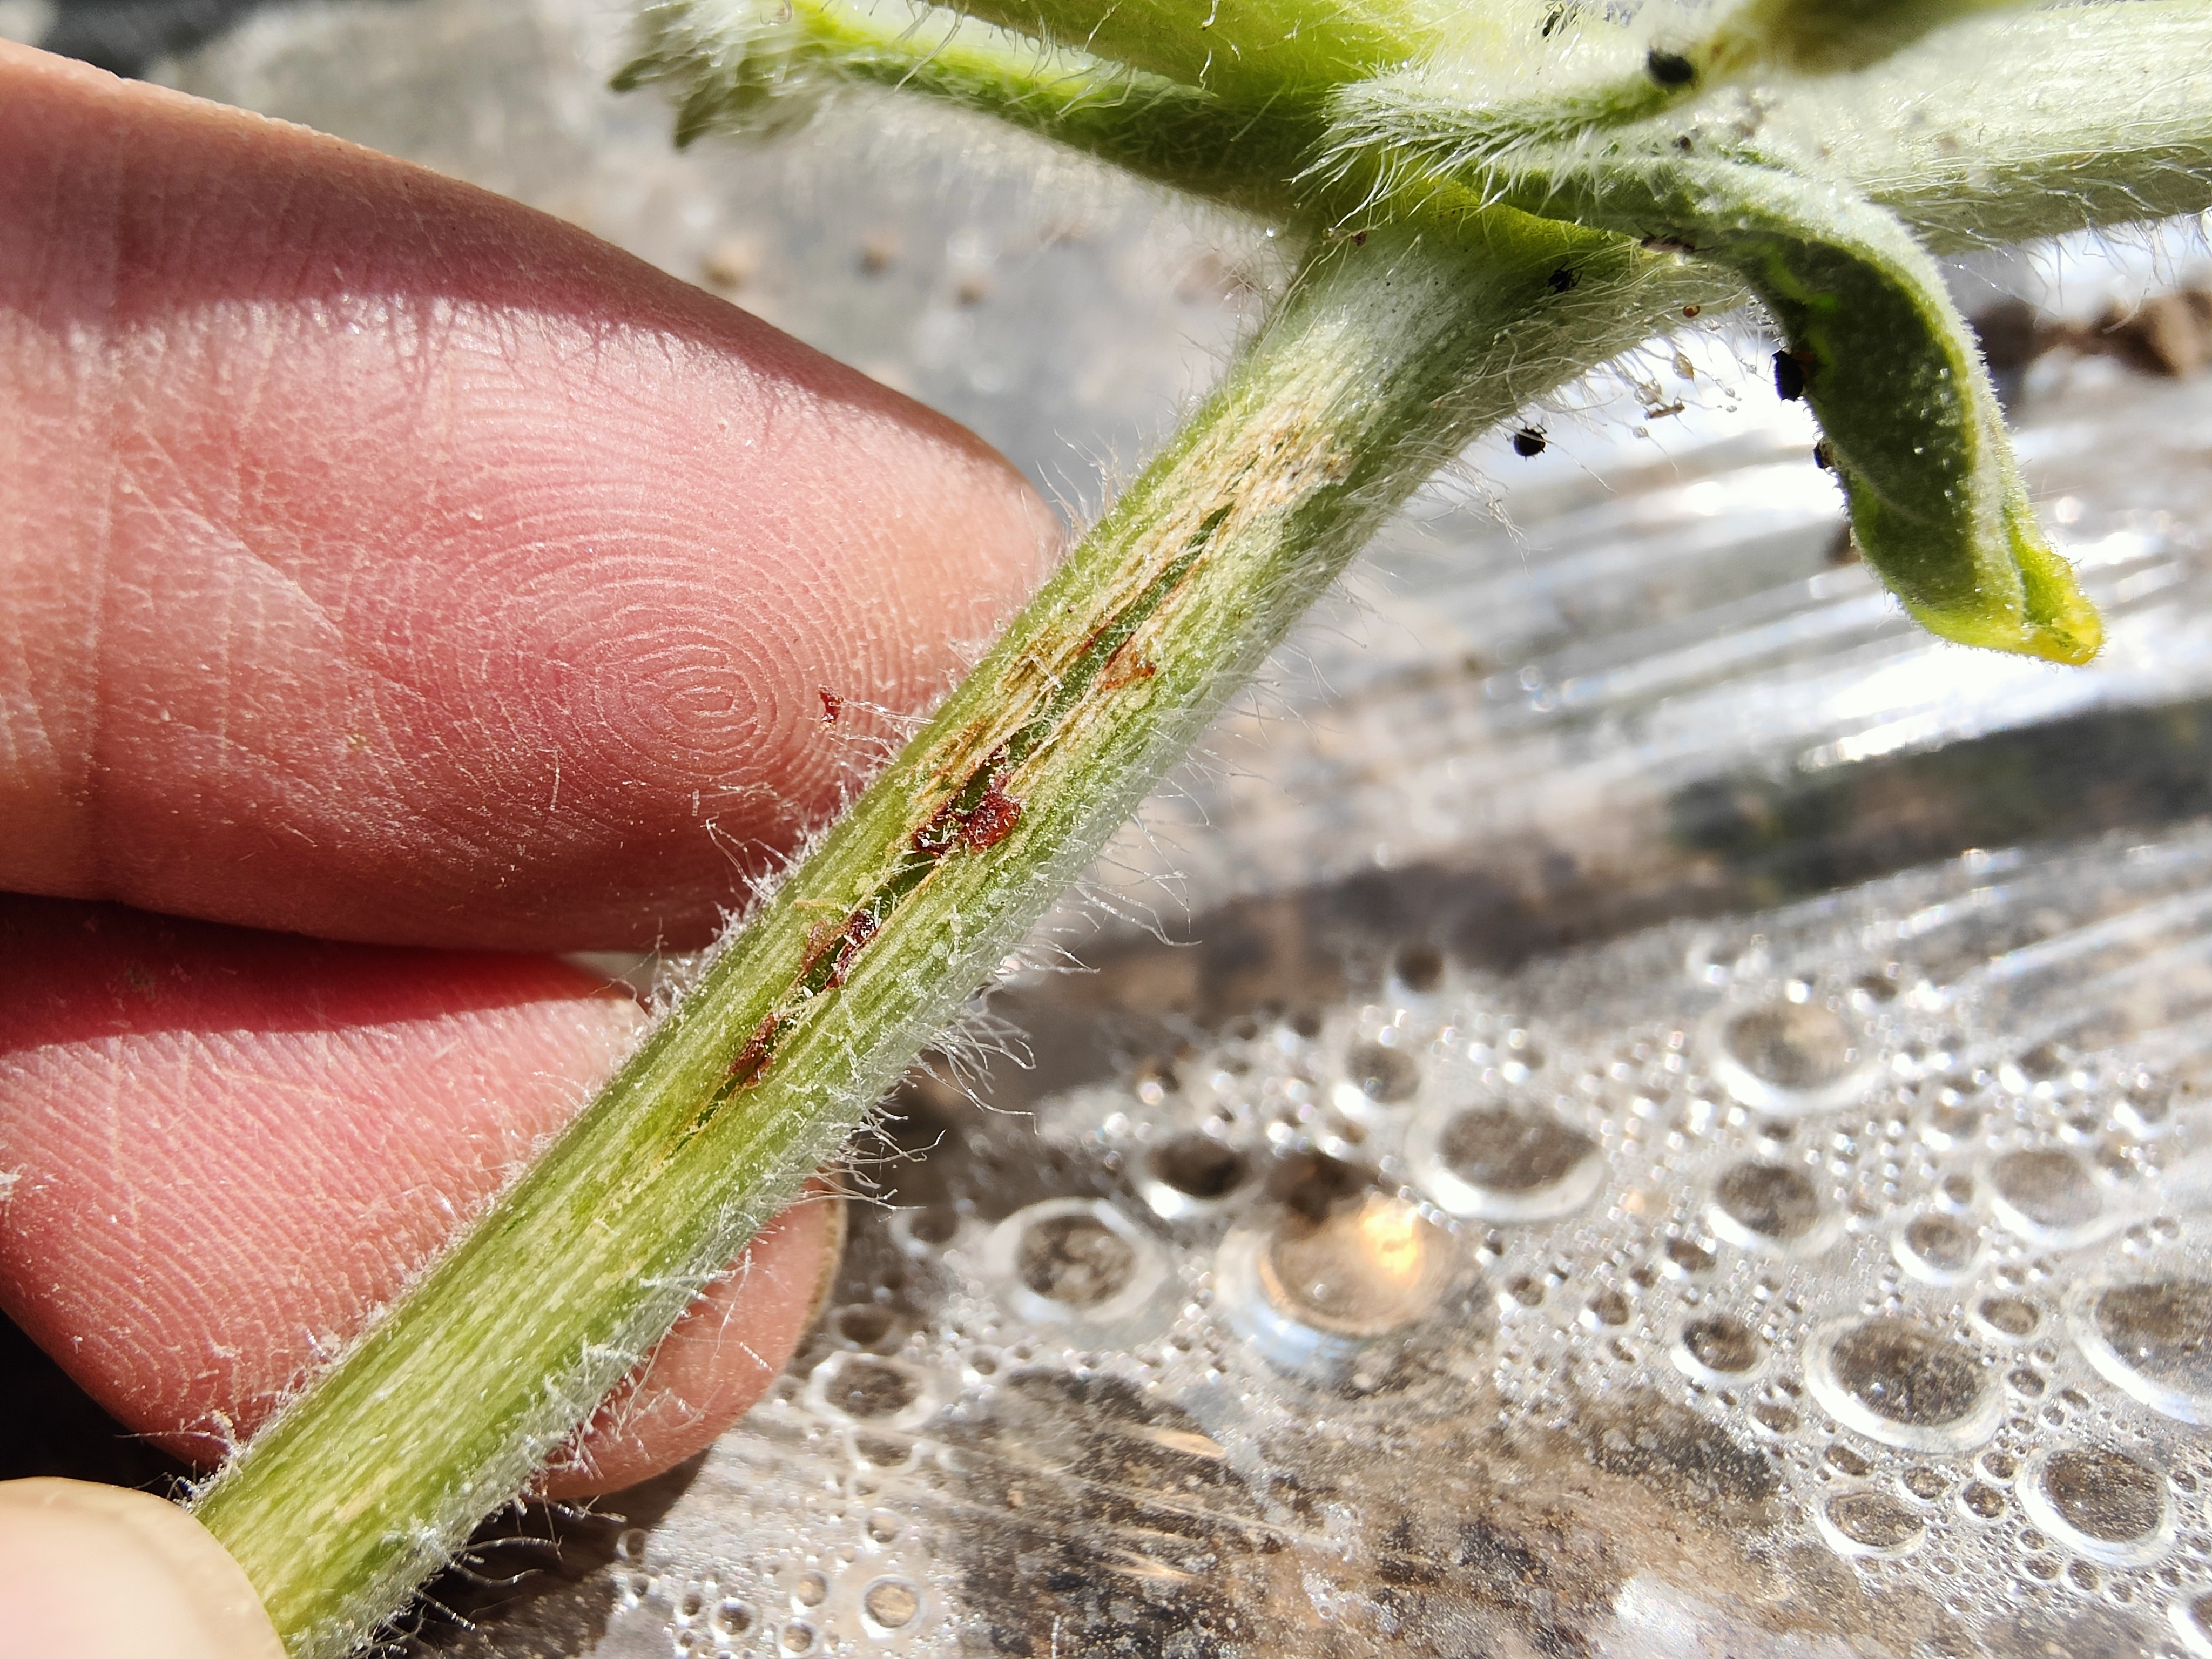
[[757, 1055], [860, 927], [992, 821], [832, 705]]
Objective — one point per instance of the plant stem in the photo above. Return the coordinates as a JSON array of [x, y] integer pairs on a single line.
[[1390, 351], [1381, 362]]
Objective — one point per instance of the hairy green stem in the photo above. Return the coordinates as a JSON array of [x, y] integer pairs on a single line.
[[757, 71], [1383, 360], [1392, 349]]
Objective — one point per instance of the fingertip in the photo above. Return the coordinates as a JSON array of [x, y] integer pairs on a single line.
[[105, 1572], [499, 613]]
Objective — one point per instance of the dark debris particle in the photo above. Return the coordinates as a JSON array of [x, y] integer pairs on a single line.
[[1528, 442], [1669, 69], [1563, 279], [1789, 376]]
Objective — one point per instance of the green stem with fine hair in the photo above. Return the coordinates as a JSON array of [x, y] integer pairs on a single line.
[[1384, 359], [1393, 348]]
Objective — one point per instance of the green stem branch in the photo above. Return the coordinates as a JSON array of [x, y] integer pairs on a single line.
[[1383, 360], [1389, 352]]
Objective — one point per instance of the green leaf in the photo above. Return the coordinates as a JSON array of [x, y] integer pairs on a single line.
[[1873, 344]]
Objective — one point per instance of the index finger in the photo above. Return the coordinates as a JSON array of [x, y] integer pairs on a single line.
[[388, 561]]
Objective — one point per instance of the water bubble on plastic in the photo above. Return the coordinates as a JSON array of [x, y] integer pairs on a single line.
[[1789, 1058], [1074, 1259], [1312, 1293], [1774, 1205], [1378, 1076], [2100, 1503], [2045, 1195], [1868, 1521], [1900, 1382], [2152, 1338], [863, 1388], [1940, 1249], [1189, 1174], [2008, 1318], [1504, 1163], [890, 1604], [1717, 1347]]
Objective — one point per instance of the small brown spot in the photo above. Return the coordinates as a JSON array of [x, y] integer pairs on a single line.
[[757, 1055], [992, 820], [860, 927], [832, 705]]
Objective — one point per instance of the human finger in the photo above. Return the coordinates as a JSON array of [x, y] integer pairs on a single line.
[[221, 1151], [386, 561]]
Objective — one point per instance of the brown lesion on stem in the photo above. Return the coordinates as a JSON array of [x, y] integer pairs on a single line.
[[1043, 700]]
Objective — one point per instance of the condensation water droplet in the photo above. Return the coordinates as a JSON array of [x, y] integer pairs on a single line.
[[1504, 1163], [1870, 1523], [1364, 1271], [1608, 1307], [1900, 1383], [867, 1324], [1942, 1250], [890, 1604], [1313, 1292], [2145, 1107], [923, 1232], [1419, 966], [1769, 1203], [1074, 1258], [2153, 1339], [2045, 1195], [2012, 1318], [1789, 1057], [798, 1637], [861, 1388], [1190, 1174], [732, 1618], [1848, 1459], [882, 1526], [1719, 1346], [1982, 1500], [2098, 1502], [1923, 1483], [1774, 1417], [1684, 1257], [811, 1590], [1382, 1075]]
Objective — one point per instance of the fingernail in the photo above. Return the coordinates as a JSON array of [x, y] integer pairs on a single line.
[[104, 1572]]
